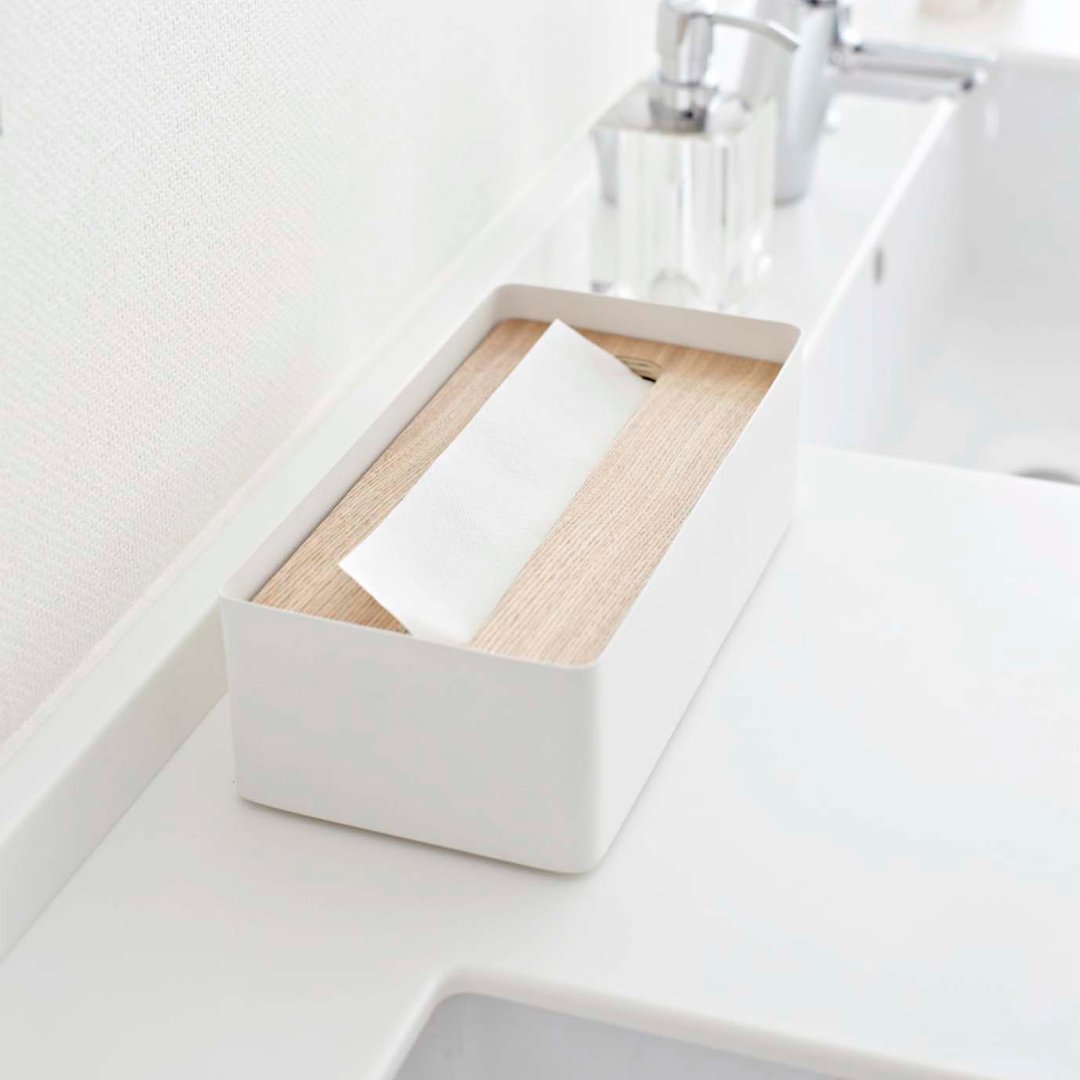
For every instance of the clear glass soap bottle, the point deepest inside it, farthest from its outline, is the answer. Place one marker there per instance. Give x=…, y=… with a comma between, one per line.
x=687, y=174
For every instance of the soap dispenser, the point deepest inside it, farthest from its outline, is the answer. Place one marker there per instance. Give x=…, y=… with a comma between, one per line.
x=687, y=171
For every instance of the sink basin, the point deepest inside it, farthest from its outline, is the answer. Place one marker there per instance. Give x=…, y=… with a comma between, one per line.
x=476, y=1037
x=958, y=340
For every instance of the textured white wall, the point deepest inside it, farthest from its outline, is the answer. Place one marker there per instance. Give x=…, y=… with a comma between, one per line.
x=209, y=210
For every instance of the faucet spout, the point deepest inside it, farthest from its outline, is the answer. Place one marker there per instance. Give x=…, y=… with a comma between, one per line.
x=887, y=69
x=835, y=58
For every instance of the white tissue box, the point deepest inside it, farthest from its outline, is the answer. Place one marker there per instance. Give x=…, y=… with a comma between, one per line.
x=527, y=761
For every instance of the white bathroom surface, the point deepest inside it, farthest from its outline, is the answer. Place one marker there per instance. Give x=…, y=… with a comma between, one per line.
x=858, y=854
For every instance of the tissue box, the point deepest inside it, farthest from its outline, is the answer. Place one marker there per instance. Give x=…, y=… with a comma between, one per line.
x=532, y=743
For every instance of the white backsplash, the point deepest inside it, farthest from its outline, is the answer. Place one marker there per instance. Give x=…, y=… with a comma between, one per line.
x=210, y=214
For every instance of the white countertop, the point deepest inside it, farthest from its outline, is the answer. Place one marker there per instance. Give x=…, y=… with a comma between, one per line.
x=857, y=853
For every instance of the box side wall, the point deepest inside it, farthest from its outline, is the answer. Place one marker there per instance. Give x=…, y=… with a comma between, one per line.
x=660, y=654
x=443, y=745
x=519, y=761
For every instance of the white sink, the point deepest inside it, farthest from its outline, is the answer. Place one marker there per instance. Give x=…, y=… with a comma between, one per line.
x=959, y=338
x=475, y=1037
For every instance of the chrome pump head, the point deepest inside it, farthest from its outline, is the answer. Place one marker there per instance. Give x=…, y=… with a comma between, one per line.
x=684, y=39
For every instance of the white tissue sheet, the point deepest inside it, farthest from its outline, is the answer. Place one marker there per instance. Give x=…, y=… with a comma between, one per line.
x=441, y=560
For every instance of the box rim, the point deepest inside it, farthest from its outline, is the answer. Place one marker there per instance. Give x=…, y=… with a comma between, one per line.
x=502, y=303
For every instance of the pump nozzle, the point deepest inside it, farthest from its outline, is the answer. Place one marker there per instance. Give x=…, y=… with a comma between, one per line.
x=684, y=40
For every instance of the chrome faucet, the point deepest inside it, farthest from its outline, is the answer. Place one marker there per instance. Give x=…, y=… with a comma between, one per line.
x=820, y=54
x=833, y=57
